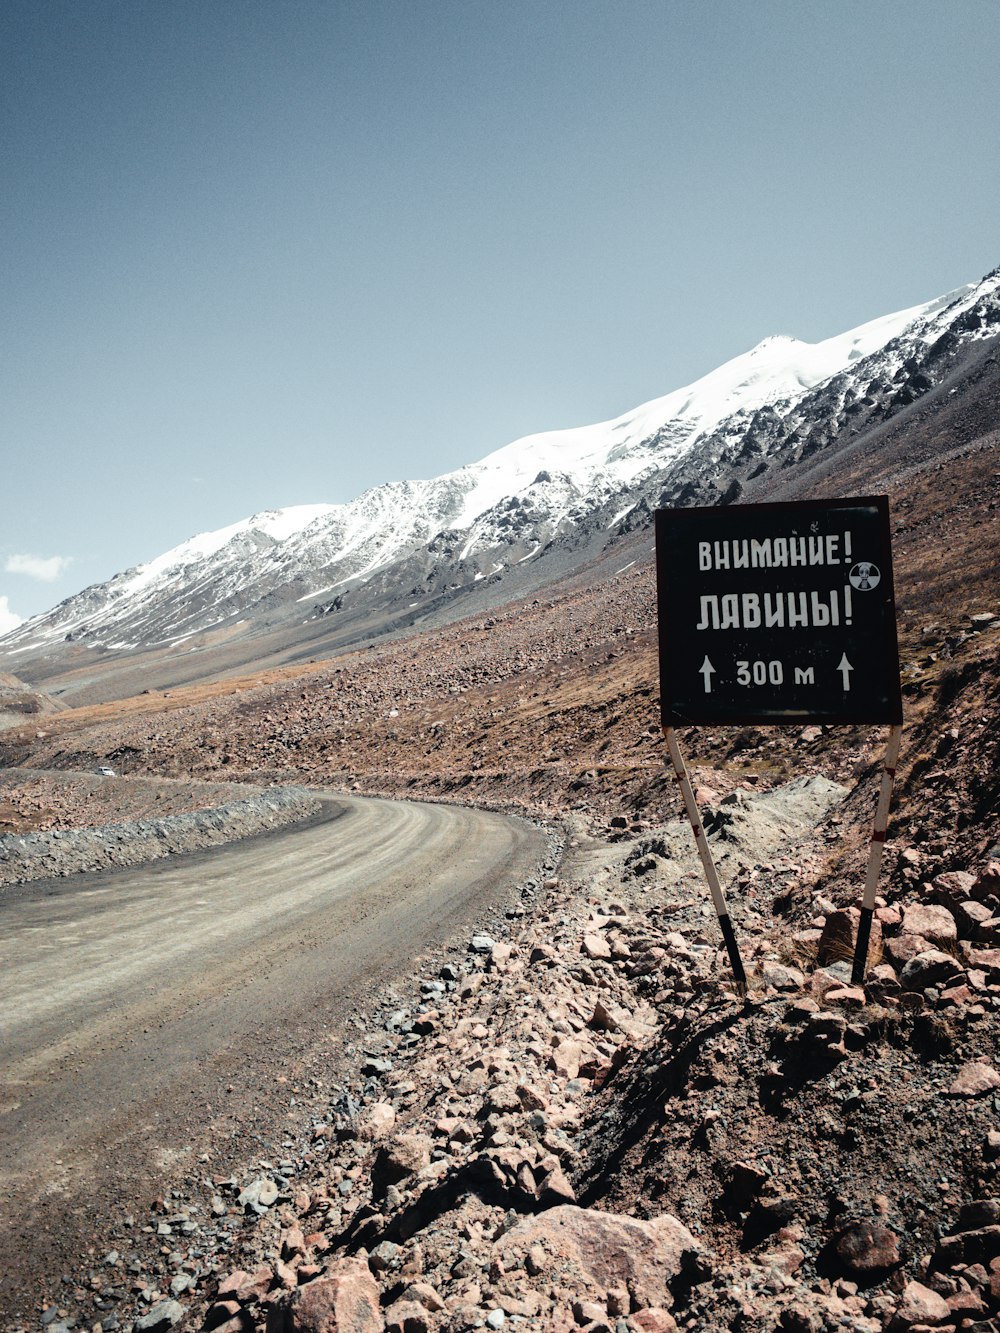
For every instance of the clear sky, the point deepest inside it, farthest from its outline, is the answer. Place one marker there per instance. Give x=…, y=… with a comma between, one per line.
x=258, y=253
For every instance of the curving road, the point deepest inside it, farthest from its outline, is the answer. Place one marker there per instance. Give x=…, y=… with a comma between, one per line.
x=148, y=1015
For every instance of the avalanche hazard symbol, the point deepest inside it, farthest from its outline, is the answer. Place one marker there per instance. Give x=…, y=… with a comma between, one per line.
x=777, y=613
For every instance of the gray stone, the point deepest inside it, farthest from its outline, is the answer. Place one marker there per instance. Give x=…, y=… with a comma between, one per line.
x=165, y=1315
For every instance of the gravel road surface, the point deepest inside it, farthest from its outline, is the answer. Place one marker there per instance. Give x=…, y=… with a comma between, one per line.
x=152, y=1018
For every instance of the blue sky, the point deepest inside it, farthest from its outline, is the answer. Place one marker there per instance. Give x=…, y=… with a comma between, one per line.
x=267, y=253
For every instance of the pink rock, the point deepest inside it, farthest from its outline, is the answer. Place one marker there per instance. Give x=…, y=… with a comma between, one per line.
x=500, y=956
x=402, y=1156
x=377, y=1121
x=404, y=1316
x=424, y=1294
x=344, y=1300
x=970, y=916
x=596, y=946
x=293, y=1243
x=901, y=948
x=654, y=1319
x=955, y=884
x=567, y=1058
x=611, y=1249
x=988, y=883
x=231, y=1284
x=933, y=923
x=867, y=1247
x=920, y=1305
x=973, y=1080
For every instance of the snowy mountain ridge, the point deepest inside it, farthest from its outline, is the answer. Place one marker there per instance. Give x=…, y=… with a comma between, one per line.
x=507, y=508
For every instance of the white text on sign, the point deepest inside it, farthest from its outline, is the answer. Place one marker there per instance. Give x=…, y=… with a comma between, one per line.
x=782, y=610
x=775, y=552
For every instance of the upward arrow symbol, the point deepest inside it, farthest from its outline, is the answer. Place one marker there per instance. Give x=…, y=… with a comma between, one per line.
x=845, y=668
x=708, y=671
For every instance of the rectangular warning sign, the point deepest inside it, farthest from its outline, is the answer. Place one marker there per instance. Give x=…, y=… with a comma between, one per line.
x=777, y=613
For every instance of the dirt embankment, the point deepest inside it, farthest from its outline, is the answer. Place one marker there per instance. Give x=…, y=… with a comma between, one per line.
x=67, y=823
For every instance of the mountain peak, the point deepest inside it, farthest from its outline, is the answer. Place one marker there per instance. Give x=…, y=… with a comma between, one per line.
x=542, y=491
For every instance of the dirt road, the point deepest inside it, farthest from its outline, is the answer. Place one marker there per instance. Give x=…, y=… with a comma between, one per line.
x=150, y=1017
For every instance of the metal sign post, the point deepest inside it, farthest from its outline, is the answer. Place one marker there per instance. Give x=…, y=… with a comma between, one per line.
x=705, y=852
x=875, y=855
x=782, y=614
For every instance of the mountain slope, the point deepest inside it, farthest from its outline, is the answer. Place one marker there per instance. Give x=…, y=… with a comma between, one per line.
x=536, y=507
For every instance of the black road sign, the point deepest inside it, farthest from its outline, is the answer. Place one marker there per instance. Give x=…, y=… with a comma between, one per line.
x=779, y=613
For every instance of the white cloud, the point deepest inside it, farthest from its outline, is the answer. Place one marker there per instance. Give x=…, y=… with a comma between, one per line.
x=45, y=568
x=8, y=619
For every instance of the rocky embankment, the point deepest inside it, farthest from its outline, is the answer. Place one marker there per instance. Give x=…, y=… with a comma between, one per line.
x=573, y=1122
x=54, y=806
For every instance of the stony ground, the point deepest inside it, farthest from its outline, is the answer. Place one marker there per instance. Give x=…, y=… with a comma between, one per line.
x=573, y=1121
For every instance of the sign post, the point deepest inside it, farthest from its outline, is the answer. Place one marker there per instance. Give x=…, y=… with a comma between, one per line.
x=780, y=614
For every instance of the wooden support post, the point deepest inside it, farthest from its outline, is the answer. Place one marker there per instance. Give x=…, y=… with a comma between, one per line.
x=705, y=852
x=875, y=856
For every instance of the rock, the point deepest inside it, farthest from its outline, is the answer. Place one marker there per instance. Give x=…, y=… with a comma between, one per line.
x=780, y=977
x=292, y=1243
x=376, y=1065
x=259, y=1195
x=226, y=1317
x=596, y=947
x=987, y=884
x=164, y=1315
x=382, y=1256
x=555, y=1189
x=953, y=886
x=847, y=997
x=403, y=1316
x=980, y=1246
x=567, y=1058
x=899, y=949
x=587, y=1312
x=402, y=1156
x=612, y=1250
x=920, y=1305
x=344, y=1300
x=932, y=968
x=500, y=956
x=426, y=1295
x=231, y=1283
x=840, y=932
x=654, y=1319
x=933, y=923
x=377, y=1121
x=482, y=944
x=973, y=1080
x=867, y=1247
x=970, y=917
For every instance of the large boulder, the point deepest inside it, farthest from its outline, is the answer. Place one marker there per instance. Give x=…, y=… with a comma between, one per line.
x=934, y=923
x=604, y=1250
x=343, y=1300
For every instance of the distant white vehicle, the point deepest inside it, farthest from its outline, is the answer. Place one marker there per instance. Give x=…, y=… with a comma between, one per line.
x=107, y=772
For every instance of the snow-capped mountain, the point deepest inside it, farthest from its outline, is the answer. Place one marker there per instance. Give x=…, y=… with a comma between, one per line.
x=783, y=400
